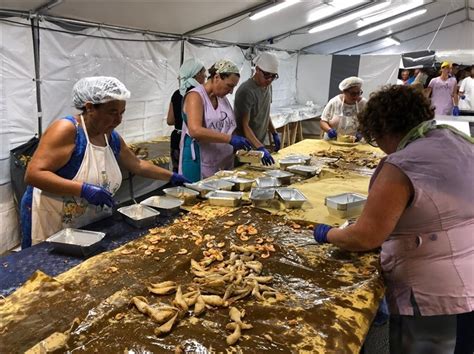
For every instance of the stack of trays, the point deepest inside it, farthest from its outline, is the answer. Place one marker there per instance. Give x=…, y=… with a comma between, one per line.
x=139, y=215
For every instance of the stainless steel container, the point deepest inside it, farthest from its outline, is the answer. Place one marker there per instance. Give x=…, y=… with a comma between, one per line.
x=262, y=197
x=291, y=197
x=304, y=170
x=188, y=196
x=139, y=215
x=166, y=205
x=287, y=161
x=268, y=182
x=241, y=184
x=345, y=205
x=252, y=156
x=76, y=242
x=283, y=176
x=224, y=198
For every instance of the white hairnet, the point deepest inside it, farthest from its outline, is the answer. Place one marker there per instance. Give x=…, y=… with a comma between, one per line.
x=98, y=89
x=267, y=62
x=350, y=82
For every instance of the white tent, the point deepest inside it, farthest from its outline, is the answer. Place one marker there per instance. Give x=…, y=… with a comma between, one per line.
x=45, y=46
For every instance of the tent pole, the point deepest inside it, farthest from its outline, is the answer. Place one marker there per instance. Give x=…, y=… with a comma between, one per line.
x=181, y=59
x=36, y=54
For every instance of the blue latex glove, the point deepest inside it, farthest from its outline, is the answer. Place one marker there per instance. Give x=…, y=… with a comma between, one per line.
x=332, y=133
x=178, y=180
x=239, y=142
x=358, y=136
x=462, y=97
x=267, y=159
x=320, y=233
x=276, y=141
x=455, y=111
x=96, y=195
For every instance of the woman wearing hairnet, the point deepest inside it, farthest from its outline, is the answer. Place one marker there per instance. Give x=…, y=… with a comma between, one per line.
x=340, y=114
x=75, y=171
x=191, y=74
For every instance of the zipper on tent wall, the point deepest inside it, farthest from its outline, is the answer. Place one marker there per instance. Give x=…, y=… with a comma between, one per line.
x=37, y=79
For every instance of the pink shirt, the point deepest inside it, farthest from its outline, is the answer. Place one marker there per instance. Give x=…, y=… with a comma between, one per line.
x=442, y=95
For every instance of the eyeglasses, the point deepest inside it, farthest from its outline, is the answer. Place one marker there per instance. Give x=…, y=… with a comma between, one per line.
x=355, y=93
x=268, y=75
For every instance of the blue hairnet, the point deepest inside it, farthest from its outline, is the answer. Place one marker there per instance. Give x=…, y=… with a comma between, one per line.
x=187, y=71
x=98, y=89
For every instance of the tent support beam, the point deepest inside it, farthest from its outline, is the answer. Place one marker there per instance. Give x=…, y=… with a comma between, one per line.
x=231, y=17
x=400, y=31
x=47, y=6
x=36, y=58
x=361, y=28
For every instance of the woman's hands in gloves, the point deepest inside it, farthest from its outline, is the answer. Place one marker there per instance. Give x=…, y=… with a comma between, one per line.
x=178, y=180
x=96, y=195
x=267, y=159
x=239, y=142
x=332, y=133
x=320, y=233
x=276, y=141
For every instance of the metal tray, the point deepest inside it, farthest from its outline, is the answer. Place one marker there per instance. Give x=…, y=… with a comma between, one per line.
x=188, y=196
x=224, y=198
x=139, y=215
x=218, y=184
x=166, y=205
x=252, y=156
x=306, y=158
x=76, y=242
x=345, y=205
x=305, y=170
x=285, y=162
x=268, y=182
x=240, y=183
x=291, y=197
x=262, y=196
x=200, y=188
x=230, y=173
x=283, y=176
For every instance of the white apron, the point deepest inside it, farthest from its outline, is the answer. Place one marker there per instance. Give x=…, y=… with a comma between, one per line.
x=51, y=213
x=344, y=121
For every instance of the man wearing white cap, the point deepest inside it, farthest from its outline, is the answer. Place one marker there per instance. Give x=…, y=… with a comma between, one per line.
x=340, y=114
x=252, y=105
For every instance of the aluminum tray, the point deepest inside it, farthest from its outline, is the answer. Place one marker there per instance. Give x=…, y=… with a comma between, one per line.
x=224, y=198
x=305, y=170
x=188, y=196
x=283, y=176
x=262, y=196
x=291, y=197
x=240, y=183
x=252, y=156
x=199, y=187
x=218, y=184
x=139, y=215
x=345, y=205
x=306, y=158
x=166, y=205
x=268, y=182
x=76, y=242
x=285, y=162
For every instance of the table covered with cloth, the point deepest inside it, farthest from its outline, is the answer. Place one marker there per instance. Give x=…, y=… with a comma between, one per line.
x=237, y=279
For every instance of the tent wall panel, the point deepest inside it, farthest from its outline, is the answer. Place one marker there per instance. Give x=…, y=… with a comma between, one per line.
x=378, y=70
x=18, y=114
x=314, y=74
x=148, y=69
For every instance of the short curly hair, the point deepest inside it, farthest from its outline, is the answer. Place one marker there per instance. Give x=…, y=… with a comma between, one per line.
x=393, y=110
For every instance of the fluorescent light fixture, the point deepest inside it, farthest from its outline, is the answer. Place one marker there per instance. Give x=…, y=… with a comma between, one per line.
x=390, y=13
x=392, y=22
x=273, y=9
x=330, y=8
x=391, y=41
x=348, y=18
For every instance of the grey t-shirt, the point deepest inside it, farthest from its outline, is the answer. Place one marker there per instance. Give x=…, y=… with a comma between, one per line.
x=256, y=101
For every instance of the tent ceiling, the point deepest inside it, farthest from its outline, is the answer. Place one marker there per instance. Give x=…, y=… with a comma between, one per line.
x=230, y=21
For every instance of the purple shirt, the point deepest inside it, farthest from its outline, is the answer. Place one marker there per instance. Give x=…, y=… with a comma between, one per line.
x=442, y=95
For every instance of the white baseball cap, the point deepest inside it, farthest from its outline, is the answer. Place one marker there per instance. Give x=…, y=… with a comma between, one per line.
x=267, y=62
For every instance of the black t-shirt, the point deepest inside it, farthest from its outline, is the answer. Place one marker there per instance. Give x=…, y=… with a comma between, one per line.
x=177, y=102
